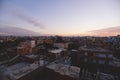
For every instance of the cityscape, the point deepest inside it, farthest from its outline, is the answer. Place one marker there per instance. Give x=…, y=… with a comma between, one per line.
x=59, y=40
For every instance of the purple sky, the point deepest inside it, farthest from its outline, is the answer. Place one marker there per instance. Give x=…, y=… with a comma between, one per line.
x=61, y=17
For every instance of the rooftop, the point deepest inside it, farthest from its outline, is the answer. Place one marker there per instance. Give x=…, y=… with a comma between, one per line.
x=57, y=50
x=96, y=49
x=63, y=69
x=19, y=70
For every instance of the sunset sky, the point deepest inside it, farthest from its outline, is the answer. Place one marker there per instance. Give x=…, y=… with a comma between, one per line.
x=60, y=17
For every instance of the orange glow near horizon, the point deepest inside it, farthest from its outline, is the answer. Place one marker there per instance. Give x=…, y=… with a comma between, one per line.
x=63, y=17
x=101, y=34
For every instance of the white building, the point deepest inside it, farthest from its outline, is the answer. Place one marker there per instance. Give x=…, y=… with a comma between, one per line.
x=32, y=43
x=61, y=45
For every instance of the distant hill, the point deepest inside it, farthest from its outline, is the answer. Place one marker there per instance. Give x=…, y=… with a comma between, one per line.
x=112, y=31
x=8, y=30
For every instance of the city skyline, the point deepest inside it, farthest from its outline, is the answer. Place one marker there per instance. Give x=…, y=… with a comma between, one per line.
x=63, y=17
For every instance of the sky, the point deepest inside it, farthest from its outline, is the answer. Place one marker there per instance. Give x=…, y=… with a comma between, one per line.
x=60, y=17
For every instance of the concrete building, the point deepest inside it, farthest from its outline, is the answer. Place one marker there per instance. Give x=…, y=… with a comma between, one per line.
x=32, y=43
x=47, y=41
x=21, y=68
x=24, y=50
x=26, y=47
x=61, y=45
x=62, y=72
x=58, y=53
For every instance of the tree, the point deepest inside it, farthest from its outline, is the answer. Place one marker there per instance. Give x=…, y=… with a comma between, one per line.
x=3, y=52
x=59, y=39
x=73, y=46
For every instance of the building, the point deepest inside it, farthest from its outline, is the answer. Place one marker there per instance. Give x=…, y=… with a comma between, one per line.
x=94, y=60
x=22, y=68
x=60, y=71
x=58, y=53
x=32, y=43
x=94, y=57
x=46, y=41
x=61, y=45
x=25, y=48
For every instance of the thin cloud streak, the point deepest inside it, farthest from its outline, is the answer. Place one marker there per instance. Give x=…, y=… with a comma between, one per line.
x=16, y=12
x=112, y=31
x=29, y=19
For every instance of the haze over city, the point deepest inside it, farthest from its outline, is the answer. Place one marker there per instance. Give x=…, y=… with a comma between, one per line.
x=59, y=39
x=62, y=17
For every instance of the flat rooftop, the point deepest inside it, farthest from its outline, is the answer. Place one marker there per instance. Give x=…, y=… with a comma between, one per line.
x=65, y=69
x=57, y=50
x=21, y=69
x=95, y=49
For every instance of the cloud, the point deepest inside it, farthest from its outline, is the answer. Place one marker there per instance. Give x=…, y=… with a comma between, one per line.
x=28, y=19
x=112, y=31
x=15, y=31
x=19, y=14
